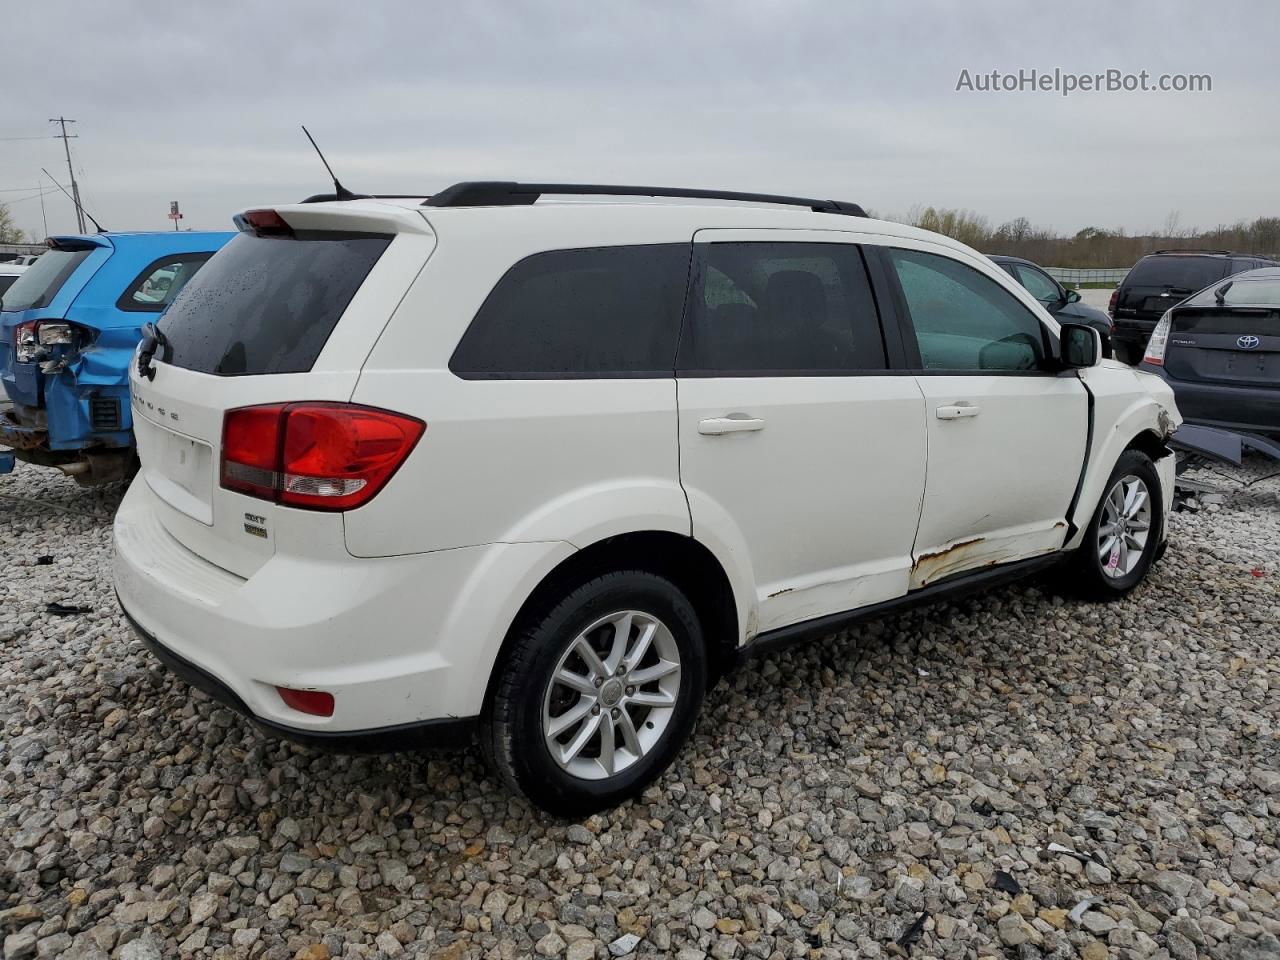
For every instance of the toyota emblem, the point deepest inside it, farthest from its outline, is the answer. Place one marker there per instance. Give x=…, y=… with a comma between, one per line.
x=1247, y=342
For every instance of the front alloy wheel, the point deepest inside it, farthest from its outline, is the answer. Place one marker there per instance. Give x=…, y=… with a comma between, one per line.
x=1124, y=532
x=1125, y=526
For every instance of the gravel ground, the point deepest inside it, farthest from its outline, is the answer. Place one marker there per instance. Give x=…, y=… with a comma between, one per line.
x=836, y=799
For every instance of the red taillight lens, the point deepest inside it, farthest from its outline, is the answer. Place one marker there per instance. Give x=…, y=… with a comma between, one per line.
x=321, y=456
x=251, y=450
x=315, y=702
x=1111, y=304
x=266, y=223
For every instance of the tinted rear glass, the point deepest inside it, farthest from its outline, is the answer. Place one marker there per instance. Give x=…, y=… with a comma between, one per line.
x=1231, y=322
x=6, y=281
x=764, y=309
x=267, y=304
x=1262, y=293
x=1184, y=273
x=595, y=312
x=41, y=281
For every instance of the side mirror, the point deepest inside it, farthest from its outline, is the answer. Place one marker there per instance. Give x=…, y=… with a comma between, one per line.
x=1080, y=345
x=1073, y=296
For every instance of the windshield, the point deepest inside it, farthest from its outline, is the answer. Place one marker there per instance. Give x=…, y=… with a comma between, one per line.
x=267, y=304
x=1257, y=293
x=1181, y=273
x=41, y=281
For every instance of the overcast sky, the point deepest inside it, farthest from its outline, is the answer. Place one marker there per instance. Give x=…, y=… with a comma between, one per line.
x=200, y=102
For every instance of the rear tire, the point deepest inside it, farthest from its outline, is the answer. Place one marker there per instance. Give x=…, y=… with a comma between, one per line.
x=597, y=694
x=1124, y=535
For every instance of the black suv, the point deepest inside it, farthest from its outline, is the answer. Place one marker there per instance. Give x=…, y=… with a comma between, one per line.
x=1161, y=279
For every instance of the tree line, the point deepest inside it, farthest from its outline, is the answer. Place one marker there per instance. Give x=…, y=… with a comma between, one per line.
x=1093, y=246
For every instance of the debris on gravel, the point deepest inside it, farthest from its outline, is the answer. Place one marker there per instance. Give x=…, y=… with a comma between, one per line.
x=889, y=793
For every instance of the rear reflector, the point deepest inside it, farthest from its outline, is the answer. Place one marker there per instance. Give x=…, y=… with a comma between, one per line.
x=315, y=702
x=1111, y=304
x=319, y=456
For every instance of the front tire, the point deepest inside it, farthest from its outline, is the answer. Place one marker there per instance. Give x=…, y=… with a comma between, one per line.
x=597, y=694
x=1124, y=535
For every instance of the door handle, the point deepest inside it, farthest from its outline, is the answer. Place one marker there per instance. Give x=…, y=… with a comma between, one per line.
x=733, y=423
x=955, y=411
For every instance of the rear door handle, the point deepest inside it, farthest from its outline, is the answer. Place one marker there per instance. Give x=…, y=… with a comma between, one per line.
x=956, y=411
x=734, y=423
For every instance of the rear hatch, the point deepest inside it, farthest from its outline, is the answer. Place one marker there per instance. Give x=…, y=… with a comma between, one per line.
x=45, y=290
x=285, y=313
x=1226, y=344
x=1156, y=283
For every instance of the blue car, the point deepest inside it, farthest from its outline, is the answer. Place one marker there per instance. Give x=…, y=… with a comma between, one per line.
x=68, y=329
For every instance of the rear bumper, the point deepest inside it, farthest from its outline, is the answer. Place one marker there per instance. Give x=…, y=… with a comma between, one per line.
x=453, y=733
x=1228, y=407
x=1131, y=330
x=405, y=644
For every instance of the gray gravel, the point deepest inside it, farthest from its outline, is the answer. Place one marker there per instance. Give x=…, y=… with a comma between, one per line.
x=832, y=798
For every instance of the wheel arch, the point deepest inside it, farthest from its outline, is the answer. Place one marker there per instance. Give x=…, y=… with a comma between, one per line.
x=686, y=562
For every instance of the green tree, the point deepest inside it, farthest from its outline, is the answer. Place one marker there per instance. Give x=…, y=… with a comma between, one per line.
x=10, y=232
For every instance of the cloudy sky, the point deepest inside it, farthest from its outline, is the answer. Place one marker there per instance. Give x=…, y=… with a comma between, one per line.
x=200, y=102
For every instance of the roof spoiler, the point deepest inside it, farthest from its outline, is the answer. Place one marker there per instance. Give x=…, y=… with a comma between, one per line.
x=500, y=193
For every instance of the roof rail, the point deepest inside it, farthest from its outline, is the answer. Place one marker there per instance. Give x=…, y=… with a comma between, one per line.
x=499, y=193
x=1226, y=253
x=331, y=197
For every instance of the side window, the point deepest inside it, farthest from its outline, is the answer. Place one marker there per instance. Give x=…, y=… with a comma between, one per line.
x=596, y=312
x=160, y=281
x=964, y=320
x=781, y=308
x=1039, y=285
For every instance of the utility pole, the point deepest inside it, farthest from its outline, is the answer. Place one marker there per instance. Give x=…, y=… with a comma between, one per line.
x=75, y=188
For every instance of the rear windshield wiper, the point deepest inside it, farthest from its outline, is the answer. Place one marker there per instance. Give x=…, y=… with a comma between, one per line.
x=151, y=339
x=1221, y=293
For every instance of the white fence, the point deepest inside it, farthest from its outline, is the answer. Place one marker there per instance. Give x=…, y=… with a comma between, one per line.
x=1087, y=274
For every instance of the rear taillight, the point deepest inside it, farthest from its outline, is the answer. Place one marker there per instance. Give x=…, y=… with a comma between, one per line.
x=35, y=339
x=320, y=456
x=1159, y=340
x=26, y=342
x=1111, y=304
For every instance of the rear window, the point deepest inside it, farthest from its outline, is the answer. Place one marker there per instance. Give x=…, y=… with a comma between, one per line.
x=41, y=281
x=585, y=313
x=6, y=281
x=1182, y=273
x=1230, y=322
x=267, y=304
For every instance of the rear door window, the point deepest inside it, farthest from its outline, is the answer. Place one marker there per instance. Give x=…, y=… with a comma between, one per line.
x=265, y=305
x=160, y=282
x=41, y=281
x=781, y=309
x=584, y=313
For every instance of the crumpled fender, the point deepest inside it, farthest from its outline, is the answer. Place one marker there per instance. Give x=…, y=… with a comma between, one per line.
x=1126, y=404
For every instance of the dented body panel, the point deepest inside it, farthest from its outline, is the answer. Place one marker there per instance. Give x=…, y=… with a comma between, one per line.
x=1127, y=404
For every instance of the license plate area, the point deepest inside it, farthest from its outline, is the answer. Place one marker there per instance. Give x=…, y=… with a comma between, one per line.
x=178, y=468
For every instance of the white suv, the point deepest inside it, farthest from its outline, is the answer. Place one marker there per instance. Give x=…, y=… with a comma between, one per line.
x=536, y=474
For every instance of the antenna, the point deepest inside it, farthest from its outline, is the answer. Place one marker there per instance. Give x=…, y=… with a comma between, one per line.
x=339, y=191
x=75, y=200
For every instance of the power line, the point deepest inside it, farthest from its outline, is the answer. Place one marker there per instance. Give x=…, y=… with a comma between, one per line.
x=45, y=137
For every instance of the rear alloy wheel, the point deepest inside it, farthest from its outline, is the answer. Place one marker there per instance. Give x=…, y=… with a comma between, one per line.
x=612, y=695
x=1122, y=538
x=598, y=693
